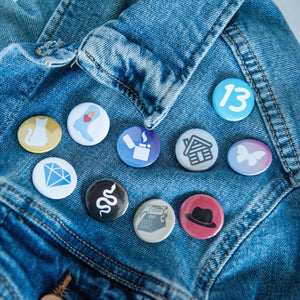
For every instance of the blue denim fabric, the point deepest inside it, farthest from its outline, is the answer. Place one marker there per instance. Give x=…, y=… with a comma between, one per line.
x=165, y=57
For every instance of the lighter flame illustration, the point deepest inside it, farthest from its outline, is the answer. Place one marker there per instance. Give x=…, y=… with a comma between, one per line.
x=144, y=137
x=91, y=113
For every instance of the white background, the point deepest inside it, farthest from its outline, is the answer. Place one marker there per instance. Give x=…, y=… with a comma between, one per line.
x=291, y=12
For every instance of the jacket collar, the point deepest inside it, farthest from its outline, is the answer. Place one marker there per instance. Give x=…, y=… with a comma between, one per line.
x=151, y=50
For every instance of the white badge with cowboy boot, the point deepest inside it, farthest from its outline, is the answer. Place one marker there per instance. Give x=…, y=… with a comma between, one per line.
x=88, y=124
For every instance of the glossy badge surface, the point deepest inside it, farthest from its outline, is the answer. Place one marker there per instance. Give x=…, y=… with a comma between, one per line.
x=201, y=216
x=249, y=157
x=233, y=99
x=54, y=178
x=196, y=150
x=39, y=134
x=154, y=221
x=106, y=200
x=88, y=124
x=138, y=147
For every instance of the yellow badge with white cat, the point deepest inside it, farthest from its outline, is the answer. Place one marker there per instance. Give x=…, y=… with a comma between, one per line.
x=39, y=134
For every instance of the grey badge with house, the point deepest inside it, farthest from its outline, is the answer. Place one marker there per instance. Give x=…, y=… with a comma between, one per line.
x=196, y=150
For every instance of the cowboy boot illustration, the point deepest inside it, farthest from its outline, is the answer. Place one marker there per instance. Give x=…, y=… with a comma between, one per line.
x=82, y=124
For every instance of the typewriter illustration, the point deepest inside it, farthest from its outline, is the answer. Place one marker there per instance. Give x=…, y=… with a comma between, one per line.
x=153, y=218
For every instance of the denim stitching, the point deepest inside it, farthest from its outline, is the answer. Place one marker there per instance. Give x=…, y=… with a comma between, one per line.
x=158, y=107
x=188, y=62
x=22, y=101
x=59, y=20
x=78, y=252
x=206, y=36
x=245, y=233
x=117, y=80
x=235, y=227
x=271, y=93
x=261, y=101
x=3, y=219
x=42, y=50
x=12, y=292
x=91, y=247
x=197, y=49
x=157, y=120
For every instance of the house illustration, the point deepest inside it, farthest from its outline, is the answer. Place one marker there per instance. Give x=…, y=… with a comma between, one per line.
x=197, y=149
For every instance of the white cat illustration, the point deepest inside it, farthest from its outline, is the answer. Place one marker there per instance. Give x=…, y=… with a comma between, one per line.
x=38, y=138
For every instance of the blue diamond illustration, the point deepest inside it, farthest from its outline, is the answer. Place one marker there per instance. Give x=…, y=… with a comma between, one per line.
x=56, y=175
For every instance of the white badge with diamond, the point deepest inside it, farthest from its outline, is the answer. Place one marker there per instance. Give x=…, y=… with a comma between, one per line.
x=54, y=178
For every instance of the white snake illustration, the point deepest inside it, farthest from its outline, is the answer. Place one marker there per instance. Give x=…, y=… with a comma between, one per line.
x=107, y=196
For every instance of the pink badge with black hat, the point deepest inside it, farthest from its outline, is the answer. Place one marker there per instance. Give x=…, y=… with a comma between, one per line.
x=201, y=216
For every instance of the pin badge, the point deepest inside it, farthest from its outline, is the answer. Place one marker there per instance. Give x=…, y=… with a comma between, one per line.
x=233, y=99
x=201, y=216
x=138, y=147
x=196, y=150
x=88, y=124
x=107, y=200
x=249, y=157
x=39, y=134
x=54, y=178
x=154, y=221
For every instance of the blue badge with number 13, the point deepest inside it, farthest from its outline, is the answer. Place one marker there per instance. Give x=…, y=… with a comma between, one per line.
x=233, y=99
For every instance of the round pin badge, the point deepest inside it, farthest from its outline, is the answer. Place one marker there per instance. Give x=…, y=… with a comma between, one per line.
x=201, y=216
x=138, y=147
x=54, y=178
x=107, y=200
x=154, y=221
x=39, y=134
x=88, y=124
x=249, y=157
x=233, y=99
x=196, y=150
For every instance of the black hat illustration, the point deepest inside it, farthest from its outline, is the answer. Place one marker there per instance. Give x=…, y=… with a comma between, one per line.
x=201, y=217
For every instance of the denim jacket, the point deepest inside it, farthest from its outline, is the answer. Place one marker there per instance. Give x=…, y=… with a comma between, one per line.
x=154, y=63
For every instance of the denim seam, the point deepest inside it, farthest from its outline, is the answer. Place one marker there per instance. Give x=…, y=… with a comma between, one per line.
x=134, y=93
x=261, y=101
x=204, y=39
x=60, y=19
x=253, y=224
x=194, y=53
x=10, y=289
x=229, y=234
x=188, y=63
x=22, y=101
x=91, y=247
x=39, y=50
x=3, y=219
x=270, y=91
x=158, y=106
x=79, y=253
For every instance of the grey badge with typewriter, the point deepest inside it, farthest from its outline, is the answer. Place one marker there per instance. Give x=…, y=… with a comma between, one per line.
x=154, y=221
